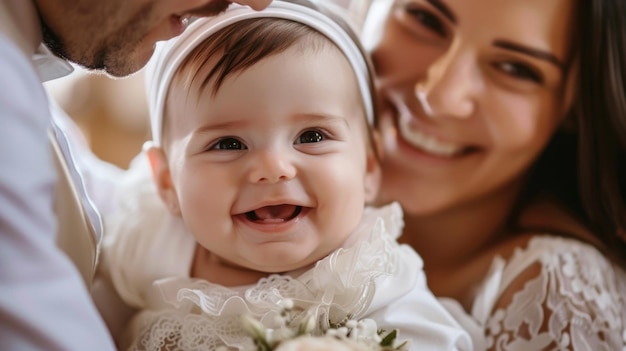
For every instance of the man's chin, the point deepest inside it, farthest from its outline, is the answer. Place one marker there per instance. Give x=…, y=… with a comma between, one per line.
x=53, y=42
x=124, y=63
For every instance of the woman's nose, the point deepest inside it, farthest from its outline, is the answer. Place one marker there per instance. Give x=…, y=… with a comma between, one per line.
x=450, y=86
x=271, y=167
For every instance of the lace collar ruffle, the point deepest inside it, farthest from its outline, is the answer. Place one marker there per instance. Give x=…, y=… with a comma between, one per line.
x=342, y=285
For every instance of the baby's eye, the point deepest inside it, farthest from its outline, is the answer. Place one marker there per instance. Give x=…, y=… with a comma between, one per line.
x=229, y=144
x=310, y=136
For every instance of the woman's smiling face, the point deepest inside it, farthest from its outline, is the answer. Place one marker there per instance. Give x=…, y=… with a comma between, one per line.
x=473, y=91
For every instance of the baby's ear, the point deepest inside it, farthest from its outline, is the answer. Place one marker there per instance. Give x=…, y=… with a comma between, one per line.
x=373, y=171
x=162, y=178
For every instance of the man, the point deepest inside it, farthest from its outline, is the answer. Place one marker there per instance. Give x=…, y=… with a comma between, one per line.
x=44, y=305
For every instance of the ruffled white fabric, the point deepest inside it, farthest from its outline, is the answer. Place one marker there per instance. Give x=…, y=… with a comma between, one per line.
x=371, y=277
x=148, y=254
x=142, y=241
x=340, y=285
x=576, y=300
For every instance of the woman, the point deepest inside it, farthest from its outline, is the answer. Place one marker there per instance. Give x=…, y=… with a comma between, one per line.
x=504, y=137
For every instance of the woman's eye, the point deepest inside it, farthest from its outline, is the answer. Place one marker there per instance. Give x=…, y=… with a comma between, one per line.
x=229, y=144
x=427, y=19
x=420, y=20
x=310, y=136
x=521, y=71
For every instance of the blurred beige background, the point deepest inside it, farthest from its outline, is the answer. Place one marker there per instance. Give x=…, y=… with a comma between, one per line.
x=112, y=113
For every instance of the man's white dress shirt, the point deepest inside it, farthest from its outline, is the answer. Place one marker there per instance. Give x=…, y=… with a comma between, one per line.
x=44, y=303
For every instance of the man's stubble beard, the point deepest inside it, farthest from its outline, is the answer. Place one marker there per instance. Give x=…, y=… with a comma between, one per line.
x=114, y=53
x=53, y=42
x=118, y=53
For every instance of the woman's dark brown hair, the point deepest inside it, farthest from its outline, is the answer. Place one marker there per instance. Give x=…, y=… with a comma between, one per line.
x=586, y=168
x=601, y=117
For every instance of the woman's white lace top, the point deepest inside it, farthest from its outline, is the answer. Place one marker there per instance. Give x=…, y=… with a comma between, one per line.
x=573, y=298
x=149, y=255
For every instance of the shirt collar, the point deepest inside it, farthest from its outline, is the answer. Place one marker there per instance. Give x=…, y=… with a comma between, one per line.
x=50, y=66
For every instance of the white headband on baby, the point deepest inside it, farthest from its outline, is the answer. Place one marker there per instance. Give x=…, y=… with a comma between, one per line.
x=170, y=54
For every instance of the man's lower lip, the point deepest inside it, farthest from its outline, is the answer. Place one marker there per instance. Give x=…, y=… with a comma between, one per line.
x=177, y=24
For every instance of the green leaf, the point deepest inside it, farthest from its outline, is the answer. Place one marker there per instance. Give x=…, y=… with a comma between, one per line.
x=389, y=339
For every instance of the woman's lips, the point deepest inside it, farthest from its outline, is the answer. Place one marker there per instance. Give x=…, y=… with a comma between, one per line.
x=428, y=143
x=424, y=141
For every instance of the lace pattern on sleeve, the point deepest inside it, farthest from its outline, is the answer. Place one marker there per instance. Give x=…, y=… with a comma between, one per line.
x=576, y=302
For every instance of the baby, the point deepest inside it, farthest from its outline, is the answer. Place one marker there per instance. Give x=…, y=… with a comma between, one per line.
x=263, y=160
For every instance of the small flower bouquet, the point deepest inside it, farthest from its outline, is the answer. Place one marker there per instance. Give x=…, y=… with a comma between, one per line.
x=349, y=335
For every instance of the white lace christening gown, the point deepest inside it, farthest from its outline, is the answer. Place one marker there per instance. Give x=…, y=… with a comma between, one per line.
x=149, y=255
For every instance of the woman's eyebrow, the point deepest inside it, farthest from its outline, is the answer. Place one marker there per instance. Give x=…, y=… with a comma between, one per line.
x=537, y=53
x=444, y=9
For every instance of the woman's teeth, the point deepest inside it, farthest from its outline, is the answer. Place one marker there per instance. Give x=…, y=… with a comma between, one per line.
x=428, y=143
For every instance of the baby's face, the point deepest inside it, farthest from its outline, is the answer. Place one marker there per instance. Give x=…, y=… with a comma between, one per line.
x=270, y=173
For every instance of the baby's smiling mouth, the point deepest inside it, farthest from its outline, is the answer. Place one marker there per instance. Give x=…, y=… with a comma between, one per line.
x=274, y=214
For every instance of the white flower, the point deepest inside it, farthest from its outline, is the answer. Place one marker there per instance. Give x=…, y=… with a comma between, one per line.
x=287, y=304
x=313, y=343
x=307, y=325
x=253, y=327
x=350, y=335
